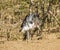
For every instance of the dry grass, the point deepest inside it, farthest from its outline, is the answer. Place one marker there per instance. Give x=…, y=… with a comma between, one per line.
x=12, y=13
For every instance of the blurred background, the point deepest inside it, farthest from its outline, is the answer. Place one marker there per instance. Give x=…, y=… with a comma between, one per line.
x=12, y=13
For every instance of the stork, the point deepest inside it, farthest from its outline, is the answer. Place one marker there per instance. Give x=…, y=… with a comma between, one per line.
x=30, y=22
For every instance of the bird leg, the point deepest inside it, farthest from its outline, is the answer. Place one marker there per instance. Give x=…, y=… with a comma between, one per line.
x=28, y=35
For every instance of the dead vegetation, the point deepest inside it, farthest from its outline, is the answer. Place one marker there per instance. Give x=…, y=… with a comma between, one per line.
x=12, y=13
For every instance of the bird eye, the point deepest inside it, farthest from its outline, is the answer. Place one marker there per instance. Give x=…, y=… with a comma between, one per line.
x=31, y=22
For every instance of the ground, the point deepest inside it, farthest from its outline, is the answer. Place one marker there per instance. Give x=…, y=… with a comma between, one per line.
x=45, y=44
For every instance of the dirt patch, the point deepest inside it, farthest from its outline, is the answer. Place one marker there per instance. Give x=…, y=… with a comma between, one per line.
x=44, y=44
